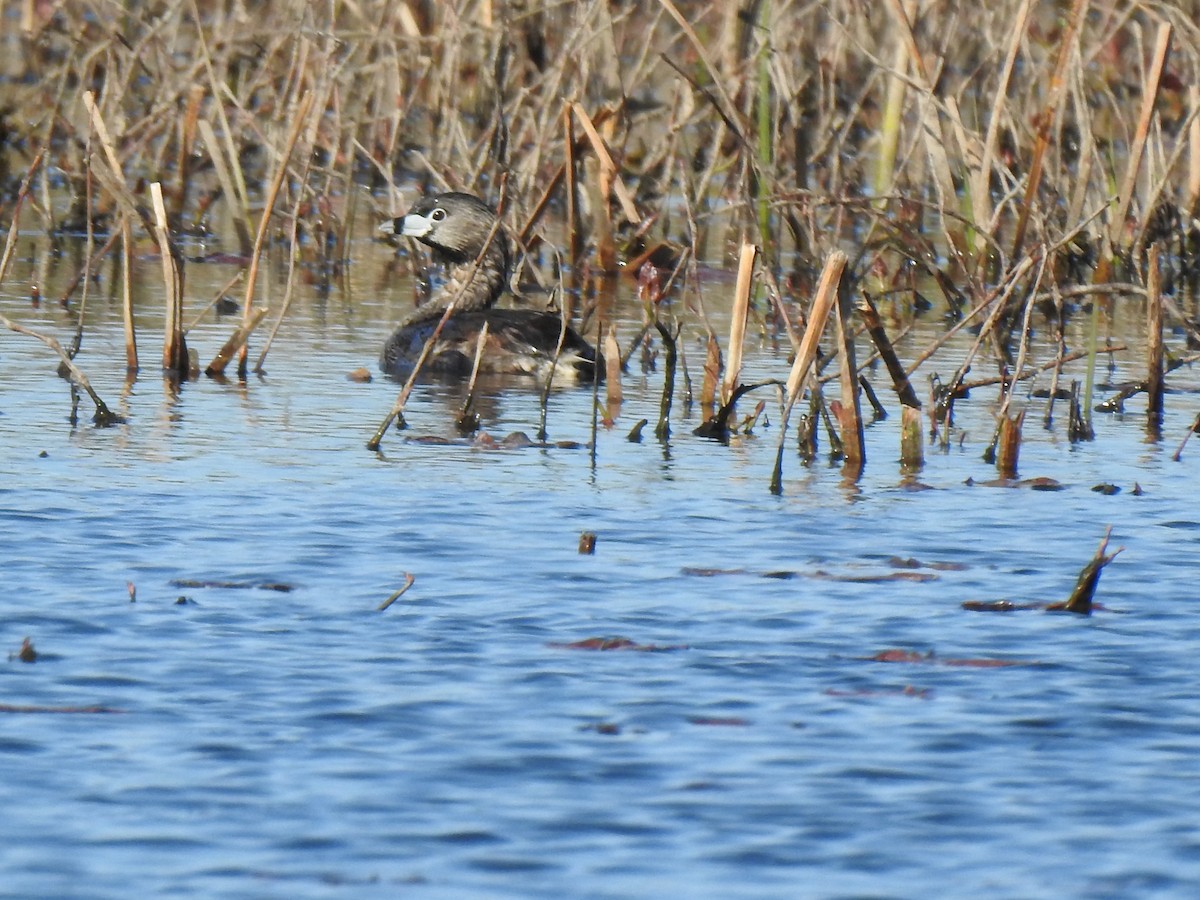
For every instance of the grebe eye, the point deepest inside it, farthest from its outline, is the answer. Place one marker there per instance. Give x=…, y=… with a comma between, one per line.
x=437, y=215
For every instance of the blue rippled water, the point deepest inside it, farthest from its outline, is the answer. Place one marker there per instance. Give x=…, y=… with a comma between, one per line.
x=261, y=743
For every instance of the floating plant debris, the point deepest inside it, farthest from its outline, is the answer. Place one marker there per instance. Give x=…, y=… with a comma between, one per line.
x=233, y=585
x=930, y=658
x=615, y=643
x=26, y=654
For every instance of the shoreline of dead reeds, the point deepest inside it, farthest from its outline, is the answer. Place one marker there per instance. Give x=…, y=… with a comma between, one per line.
x=1012, y=161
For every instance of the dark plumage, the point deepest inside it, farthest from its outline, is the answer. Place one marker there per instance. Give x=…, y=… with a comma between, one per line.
x=520, y=341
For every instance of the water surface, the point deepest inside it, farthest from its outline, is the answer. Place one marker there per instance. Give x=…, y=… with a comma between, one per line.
x=303, y=744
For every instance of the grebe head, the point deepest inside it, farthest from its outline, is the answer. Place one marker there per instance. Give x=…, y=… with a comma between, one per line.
x=455, y=225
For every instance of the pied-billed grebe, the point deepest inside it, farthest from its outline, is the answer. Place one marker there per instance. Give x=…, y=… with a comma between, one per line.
x=520, y=341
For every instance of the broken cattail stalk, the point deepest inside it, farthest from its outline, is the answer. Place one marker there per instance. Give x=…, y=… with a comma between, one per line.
x=1084, y=591
x=850, y=411
x=887, y=353
x=1154, y=342
x=827, y=291
x=877, y=408
x=912, y=439
x=806, y=432
x=1009, y=445
x=662, y=431
x=236, y=342
x=612, y=372
x=737, y=322
x=712, y=373
x=1078, y=428
x=175, y=357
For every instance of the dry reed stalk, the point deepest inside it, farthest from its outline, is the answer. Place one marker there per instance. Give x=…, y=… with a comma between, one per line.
x=396, y=595
x=981, y=184
x=103, y=415
x=238, y=213
x=827, y=293
x=889, y=134
x=1154, y=342
x=1151, y=198
x=293, y=254
x=239, y=196
x=1193, y=142
x=935, y=140
x=468, y=419
x=738, y=317
x=850, y=412
x=1033, y=371
x=88, y=256
x=612, y=372
x=187, y=143
x=624, y=198
x=879, y=337
x=1026, y=332
x=175, y=356
x=89, y=102
x=1045, y=122
x=608, y=184
x=1193, y=429
x=131, y=354
x=249, y=317
x=574, y=233
x=89, y=271
x=10, y=242
x=217, y=298
x=1150, y=86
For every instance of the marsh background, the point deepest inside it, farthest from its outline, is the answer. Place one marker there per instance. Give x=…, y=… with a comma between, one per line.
x=252, y=741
